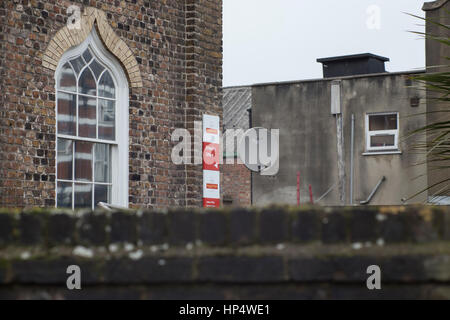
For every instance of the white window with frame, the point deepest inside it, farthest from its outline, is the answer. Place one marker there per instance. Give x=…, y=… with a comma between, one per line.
x=92, y=128
x=382, y=130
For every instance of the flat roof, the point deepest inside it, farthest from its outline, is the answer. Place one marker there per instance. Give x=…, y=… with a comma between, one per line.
x=385, y=74
x=352, y=57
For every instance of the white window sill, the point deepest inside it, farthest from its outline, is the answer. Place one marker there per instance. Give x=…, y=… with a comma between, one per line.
x=380, y=152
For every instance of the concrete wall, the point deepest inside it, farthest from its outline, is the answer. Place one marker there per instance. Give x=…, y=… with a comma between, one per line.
x=404, y=175
x=307, y=134
x=308, y=140
x=274, y=253
x=436, y=53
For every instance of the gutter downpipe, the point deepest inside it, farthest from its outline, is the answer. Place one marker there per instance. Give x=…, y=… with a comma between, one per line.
x=373, y=191
x=351, y=158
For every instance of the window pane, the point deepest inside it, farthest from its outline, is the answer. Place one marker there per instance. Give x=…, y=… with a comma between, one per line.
x=87, y=84
x=67, y=80
x=106, y=119
x=87, y=121
x=106, y=86
x=64, y=194
x=67, y=112
x=65, y=159
x=383, y=122
x=77, y=64
x=382, y=141
x=83, y=161
x=102, y=163
x=97, y=68
x=87, y=55
x=83, y=195
x=101, y=194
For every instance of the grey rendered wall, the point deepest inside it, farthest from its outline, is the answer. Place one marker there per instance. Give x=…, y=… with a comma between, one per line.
x=308, y=140
x=436, y=53
x=404, y=175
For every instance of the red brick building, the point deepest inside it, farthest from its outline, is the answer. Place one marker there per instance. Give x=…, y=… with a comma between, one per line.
x=236, y=178
x=90, y=96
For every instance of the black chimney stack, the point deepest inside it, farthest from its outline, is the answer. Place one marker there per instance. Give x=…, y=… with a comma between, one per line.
x=364, y=63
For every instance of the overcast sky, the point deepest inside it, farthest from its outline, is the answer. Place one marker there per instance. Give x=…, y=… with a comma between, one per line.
x=280, y=40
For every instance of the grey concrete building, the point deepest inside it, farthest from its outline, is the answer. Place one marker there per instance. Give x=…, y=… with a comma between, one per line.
x=315, y=122
x=436, y=61
x=348, y=133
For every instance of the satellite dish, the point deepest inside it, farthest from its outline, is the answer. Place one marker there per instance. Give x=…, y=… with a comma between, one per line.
x=254, y=148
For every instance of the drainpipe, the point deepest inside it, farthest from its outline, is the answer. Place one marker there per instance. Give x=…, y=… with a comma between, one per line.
x=250, y=124
x=364, y=202
x=337, y=111
x=352, y=149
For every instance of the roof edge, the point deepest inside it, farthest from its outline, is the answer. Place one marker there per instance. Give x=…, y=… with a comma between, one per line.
x=239, y=87
x=353, y=56
x=428, y=6
x=370, y=75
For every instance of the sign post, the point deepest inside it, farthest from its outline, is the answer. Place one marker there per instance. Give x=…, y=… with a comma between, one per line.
x=211, y=158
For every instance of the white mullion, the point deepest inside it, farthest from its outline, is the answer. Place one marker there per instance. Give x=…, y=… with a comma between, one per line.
x=116, y=127
x=85, y=182
x=110, y=142
x=383, y=133
x=73, y=175
x=67, y=91
x=96, y=113
x=95, y=145
x=101, y=74
x=73, y=143
x=73, y=69
x=94, y=148
x=84, y=68
x=109, y=196
x=87, y=95
x=93, y=175
x=78, y=91
x=56, y=153
x=76, y=116
x=99, y=77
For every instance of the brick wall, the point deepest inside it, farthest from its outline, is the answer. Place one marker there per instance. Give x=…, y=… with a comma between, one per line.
x=203, y=77
x=177, y=48
x=271, y=253
x=236, y=185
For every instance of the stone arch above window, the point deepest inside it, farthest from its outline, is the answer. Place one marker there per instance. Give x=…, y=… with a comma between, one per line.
x=67, y=38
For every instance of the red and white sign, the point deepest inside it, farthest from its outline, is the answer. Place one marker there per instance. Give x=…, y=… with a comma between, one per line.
x=211, y=157
x=211, y=181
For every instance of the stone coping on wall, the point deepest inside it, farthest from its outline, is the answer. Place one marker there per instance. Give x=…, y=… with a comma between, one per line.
x=267, y=253
x=226, y=227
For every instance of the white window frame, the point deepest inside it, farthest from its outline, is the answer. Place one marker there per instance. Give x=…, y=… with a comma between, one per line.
x=370, y=134
x=119, y=147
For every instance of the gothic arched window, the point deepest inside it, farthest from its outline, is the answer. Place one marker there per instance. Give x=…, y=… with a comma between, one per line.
x=92, y=128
